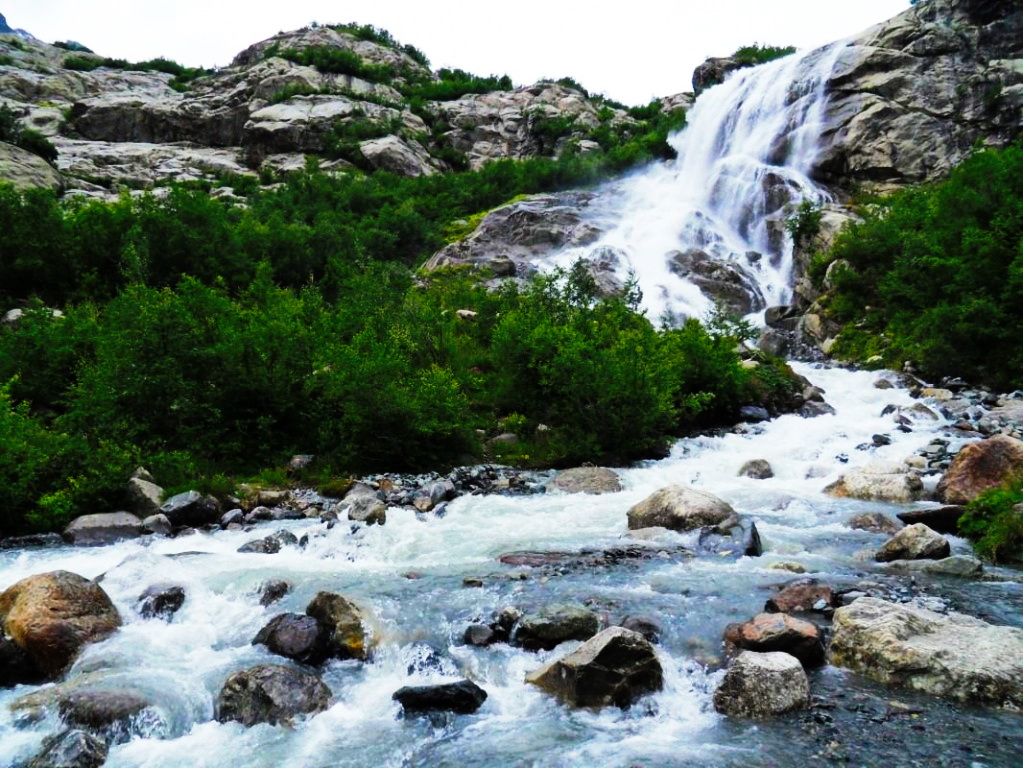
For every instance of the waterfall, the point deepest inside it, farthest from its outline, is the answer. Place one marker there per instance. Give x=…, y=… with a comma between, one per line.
x=712, y=222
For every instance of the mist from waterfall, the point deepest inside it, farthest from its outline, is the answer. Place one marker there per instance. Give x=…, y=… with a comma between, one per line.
x=717, y=212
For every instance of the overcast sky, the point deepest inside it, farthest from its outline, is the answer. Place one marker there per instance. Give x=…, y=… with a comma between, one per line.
x=630, y=50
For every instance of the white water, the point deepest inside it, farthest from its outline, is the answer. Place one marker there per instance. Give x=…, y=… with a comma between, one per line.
x=744, y=163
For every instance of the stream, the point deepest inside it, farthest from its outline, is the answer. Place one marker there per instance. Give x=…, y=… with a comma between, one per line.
x=410, y=573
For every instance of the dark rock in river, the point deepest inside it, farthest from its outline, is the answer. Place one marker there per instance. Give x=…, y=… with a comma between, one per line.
x=70, y=749
x=553, y=625
x=463, y=697
x=272, y=544
x=350, y=636
x=736, y=536
x=271, y=693
x=100, y=529
x=757, y=469
x=273, y=590
x=295, y=636
x=161, y=601
x=104, y=713
x=191, y=509
x=939, y=519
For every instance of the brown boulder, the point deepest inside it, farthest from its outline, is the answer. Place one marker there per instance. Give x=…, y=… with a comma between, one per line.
x=588, y=480
x=805, y=594
x=876, y=522
x=980, y=466
x=767, y=632
x=348, y=626
x=52, y=616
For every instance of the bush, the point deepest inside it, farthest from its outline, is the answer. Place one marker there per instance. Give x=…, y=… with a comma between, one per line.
x=339, y=61
x=752, y=55
x=82, y=63
x=994, y=522
x=32, y=141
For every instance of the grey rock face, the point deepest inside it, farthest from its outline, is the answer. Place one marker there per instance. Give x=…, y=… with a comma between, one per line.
x=104, y=528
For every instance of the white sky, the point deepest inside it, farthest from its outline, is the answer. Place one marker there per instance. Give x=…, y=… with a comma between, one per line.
x=630, y=50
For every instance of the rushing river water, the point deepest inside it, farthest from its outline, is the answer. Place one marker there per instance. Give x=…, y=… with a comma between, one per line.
x=181, y=665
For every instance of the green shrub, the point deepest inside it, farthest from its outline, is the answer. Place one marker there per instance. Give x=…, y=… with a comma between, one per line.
x=82, y=63
x=8, y=124
x=332, y=60
x=752, y=55
x=994, y=522
x=32, y=141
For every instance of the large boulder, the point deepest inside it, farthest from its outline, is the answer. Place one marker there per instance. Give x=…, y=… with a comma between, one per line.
x=767, y=632
x=271, y=693
x=102, y=712
x=191, y=509
x=463, y=697
x=615, y=667
x=914, y=542
x=364, y=505
x=144, y=497
x=879, y=481
x=555, y=624
x=105, y=528
x=295, y=636
x=70, y=749
x=762, y=684
x=980, y=466
x=679, y=508
x=735, y=536
x=25, y=170
x=959, y=566
x=350, y=634
x=588, y=480
x=405, y=158
x=941, y=519
x=161, y=601
x=51, y=617
x=952, y=655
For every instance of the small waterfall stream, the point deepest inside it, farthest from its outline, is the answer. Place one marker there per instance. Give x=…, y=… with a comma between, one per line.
x=746, y=155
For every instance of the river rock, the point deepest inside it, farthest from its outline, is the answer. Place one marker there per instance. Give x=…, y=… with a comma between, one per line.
x=956, y=656
x=161, y=601
x=762, y=685
x=463, y=697
x=736, y=536
x=480, y=636
x=365, y=505
x=727, y=283
x=273, y=590
x=800, y=595
x=53, y=616
x=914, y=542
x=158, y=524
x=615, y=667
x=70, y=749
x=553, y=625
x=679, y=508
x=144, y=497
x=960, y=566
x=16, y=667
x=875, y=522
x=757, y=469
x=190, y=509
x=270, y=693
x=295, y=636
x=433, y=495
x=940, y=519
x=588, y=480
x=768, y=632
x=104, y=713
x=980, y=466
x=105, y=528
x=879, y=481
x=348, y=625
x=272, y=544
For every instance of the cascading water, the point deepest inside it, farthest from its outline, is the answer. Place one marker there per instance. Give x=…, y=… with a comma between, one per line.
x=744, y=162
x=748, y=138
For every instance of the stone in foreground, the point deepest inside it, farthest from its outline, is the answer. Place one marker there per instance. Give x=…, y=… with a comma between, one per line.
x=762, y=685
x=679, y=508
x=914, y=542
x=271, y=693
x=295, y=636
x=955, y=656
x=768, y=632
x=614, y=668
x=463, y=697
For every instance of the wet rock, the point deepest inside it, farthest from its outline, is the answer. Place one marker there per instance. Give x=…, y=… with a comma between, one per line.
x=980, y=466
x=952, y=655
x=754, y=414
x=588, y=480
x=939, y=519
x=16, y=668
x=158, y=524
x=880, y=481
x=53, y=616
x=960, y=566
x=799, y=595
x=768, y=632
x=725, y=282
x=104, y=528
x=161, y=601
x=914, y=542
x=875, y=522
x=348, y=625
x=814, y=409
x=644, y=625
x=762, y=685
x=70, y=749
x=273, y=590
x=736, y=536
x=480, y=635
x=232, y=517
x=433, y=495
x=108, y=714
x=787, y=565
x=144, y=496
x=190, y=509
x=615, y=667
x=32, y=541
x=270, y=545
x=270, y=693
x=364, y=505
x=553, y=625
x=295, y=636
x=679, y=508
x=463, y=697
x=757, y=469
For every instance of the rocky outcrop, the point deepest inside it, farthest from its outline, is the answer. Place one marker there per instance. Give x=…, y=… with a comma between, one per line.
x=911, y=96
x=980, y=466
x=51, y=617
x=727, y=283
x=712, y=72
x=463, y=697
x=914, y=542
x=588, y=480
x=880, y=481
x=614, y=668
x=679, y=508
x=762, y=685
x=25, y=170
x=952, y=655
x=270, y=693
x=768, y=632
x=553, y=625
